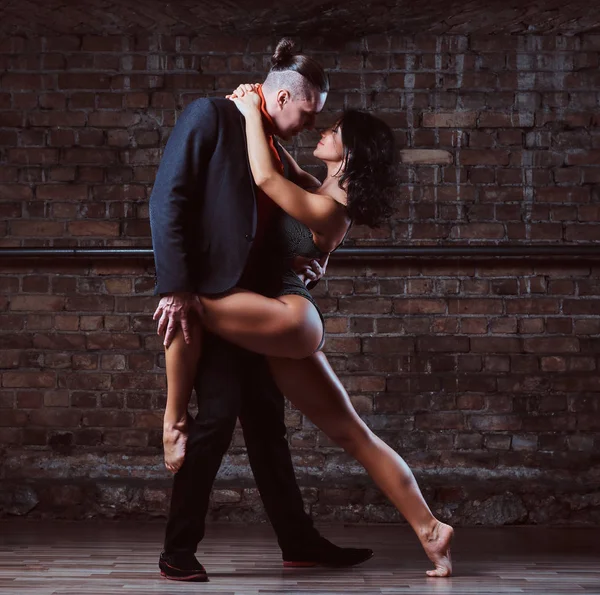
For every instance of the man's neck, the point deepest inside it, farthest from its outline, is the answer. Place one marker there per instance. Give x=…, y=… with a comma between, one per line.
x=267, y=120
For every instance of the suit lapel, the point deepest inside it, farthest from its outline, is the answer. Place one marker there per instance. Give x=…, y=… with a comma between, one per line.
x=242, y=123
x=283, y=159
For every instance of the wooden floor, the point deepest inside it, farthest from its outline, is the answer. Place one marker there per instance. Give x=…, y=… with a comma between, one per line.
x=61, y=558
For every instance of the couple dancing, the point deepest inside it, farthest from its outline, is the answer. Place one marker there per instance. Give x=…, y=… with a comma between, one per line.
x=239, y=232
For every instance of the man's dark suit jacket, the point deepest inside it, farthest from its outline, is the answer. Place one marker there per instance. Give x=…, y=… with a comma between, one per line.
x=203, y=218
x=202, y=206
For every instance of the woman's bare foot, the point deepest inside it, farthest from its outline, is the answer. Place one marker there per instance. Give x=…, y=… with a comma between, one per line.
x=437, y=547
x=174, y=442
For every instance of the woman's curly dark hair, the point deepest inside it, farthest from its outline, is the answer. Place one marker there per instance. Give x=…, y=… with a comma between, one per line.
x=369, y=171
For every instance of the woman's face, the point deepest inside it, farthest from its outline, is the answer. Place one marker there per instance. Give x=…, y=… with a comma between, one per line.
x=330, y=147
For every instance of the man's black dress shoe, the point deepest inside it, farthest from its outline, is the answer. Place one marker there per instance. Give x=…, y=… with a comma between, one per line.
x=325, y=553
x=182, y=567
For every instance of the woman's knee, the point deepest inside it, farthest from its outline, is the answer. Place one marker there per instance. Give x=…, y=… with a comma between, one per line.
x=304, y=335
x=304, y=343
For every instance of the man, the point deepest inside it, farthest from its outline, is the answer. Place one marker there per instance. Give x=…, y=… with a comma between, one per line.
x=208, y=229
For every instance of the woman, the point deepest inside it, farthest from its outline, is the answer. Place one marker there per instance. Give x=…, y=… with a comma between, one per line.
x=288, y=328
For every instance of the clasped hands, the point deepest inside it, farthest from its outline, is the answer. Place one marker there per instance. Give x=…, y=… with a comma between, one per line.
x=246, y=99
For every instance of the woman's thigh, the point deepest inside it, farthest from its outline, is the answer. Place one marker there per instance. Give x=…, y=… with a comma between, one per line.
x=289, y=326
x=312, y=386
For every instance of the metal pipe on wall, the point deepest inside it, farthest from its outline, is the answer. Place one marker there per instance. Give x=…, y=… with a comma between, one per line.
x=361, y=252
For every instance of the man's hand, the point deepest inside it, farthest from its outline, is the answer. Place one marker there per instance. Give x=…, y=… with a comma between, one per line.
x=310, y=270
x=172, y=309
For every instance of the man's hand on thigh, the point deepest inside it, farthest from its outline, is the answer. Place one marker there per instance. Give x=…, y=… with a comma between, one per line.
x=173, y=310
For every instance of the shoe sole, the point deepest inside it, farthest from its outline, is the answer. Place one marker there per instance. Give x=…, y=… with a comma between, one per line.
x=191, y=578
x=300, y=564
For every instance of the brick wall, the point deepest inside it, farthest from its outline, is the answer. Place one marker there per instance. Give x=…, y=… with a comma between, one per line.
x=482, y=373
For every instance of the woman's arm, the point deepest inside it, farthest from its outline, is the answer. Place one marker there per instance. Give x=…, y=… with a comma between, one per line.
x=314, y=210
x=299, y=176
x=322, y=214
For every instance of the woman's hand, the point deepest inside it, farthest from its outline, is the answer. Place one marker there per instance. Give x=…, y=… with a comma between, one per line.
x=246, y=99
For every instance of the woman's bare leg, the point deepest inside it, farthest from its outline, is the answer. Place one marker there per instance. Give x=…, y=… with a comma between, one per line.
x=181, y=361
x=289, y=326
x=313, y=387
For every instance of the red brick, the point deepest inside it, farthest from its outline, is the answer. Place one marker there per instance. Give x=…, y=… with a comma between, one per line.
x=571, y=119
x=65, y=192
x=553, y=364
x=15, y=192
x=562, y=195
x=33, y=156
x=131, y=62
x=365, y=305
x=419, y=306
x=81, y=101
x=495, y=344
x=478, y=231
x=148, y=81
x=440, y=421
x=104, y=43
x=503, y=326
x=36, y=379
x=551, y=345
x=202, y=82
x=35, y=284
x=137, y=100
x=61, y=174
x=225, y=44
x=474, y=326
x=36, y=229
x=385, y=345
x=537, y=305
x=12, y=119
x=487, y=157
x=138, y=157
x=94, y=228
x=502, y=120
x=443, y=325
x=55, y=418
x=141, y=381
x=94, y=81
x=443, y=344
x=93, y=156
x=450, y=119
x=13, y=418
x=62, y=43
x=62, y=138
x=475, y=306
x=582, y=232
x=113, y=119
x=92, y=303
x=56, y=398
x=29, y=399
x=25, y=82
x=560, y=326
x=37, y=303
x=92, y=323
x=163, y=100
x=364, y=383
x=495, y=423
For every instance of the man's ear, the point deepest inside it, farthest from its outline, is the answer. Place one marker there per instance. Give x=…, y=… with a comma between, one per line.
x=283, y=97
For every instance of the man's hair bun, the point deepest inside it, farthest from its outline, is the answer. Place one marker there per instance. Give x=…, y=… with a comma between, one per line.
x=284, y=53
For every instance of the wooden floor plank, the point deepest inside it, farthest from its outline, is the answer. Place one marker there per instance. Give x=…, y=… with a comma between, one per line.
x=106, y=558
